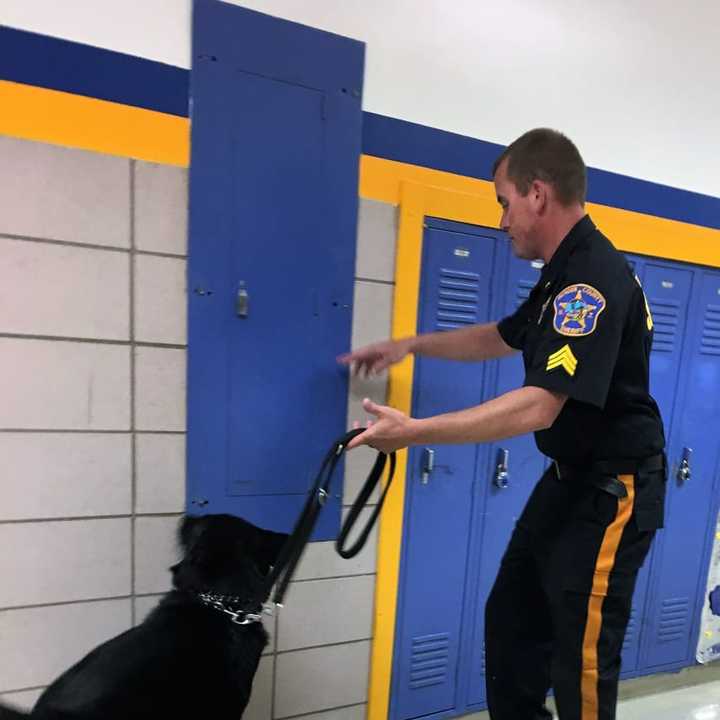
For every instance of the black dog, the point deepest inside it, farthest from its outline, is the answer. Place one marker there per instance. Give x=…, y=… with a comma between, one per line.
x=188, y=659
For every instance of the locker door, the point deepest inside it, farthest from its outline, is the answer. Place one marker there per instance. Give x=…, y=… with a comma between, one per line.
x=680, y=571
x=504, y=499
x=455, y=292
x=668, y=291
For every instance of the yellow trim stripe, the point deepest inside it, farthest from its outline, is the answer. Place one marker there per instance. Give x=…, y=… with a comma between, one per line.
x=629, y=231
x=407, y=288
x=601, y=577
x=65, y=119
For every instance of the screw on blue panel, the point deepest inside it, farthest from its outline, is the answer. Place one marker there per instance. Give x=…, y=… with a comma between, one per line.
x=715, y=601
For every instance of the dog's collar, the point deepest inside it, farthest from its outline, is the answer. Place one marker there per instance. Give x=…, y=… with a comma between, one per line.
x=229, y=605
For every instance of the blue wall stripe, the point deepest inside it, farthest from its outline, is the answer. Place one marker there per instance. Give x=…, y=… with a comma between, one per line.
x=71, y=67
x=85, y=70
x=420, y=145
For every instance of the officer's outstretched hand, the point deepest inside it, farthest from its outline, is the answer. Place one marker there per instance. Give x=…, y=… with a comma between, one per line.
x=375, y=358
x=390, y=431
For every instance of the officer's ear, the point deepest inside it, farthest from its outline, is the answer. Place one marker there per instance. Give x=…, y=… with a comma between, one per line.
x=539, y=196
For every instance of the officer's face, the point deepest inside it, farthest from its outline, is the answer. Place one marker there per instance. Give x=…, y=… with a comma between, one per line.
x=518, y=215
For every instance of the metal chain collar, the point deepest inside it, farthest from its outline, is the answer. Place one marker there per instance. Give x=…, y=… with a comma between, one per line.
x=223, y=603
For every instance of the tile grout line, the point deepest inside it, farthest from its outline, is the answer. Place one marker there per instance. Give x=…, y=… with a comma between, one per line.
x=72, y=431
x=90, y=246
x=320, y=712
x=91, y=341
x=274, y=665
x=375, y=281
x=82, y=518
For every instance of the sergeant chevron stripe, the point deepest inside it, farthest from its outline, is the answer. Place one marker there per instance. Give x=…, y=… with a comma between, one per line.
x=563, y=358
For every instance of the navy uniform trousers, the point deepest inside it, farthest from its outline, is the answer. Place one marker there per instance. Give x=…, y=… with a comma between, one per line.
x=557, y=614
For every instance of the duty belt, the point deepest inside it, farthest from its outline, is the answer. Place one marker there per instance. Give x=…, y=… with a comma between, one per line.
x=602, y=474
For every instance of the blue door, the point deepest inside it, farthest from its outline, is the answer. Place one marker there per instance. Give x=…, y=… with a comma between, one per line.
x=503, y=497
x=681, y=562
x=457, y=276
x=668, y=289
x=276, y=121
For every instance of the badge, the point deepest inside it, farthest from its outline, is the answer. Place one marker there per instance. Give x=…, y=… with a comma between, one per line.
x=577, y=309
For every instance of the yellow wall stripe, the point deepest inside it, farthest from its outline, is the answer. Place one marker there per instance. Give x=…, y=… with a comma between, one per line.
x=65, y=119
x=407, y=288
x=629, y=231
x=601, y=578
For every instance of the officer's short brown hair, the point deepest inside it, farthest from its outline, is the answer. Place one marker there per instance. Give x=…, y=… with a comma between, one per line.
x=547, y=155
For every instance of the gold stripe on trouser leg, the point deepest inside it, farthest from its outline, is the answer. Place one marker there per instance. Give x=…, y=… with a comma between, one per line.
x=603, y=567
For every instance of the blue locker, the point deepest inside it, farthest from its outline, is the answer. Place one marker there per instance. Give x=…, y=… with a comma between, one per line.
x=680, y=568
x=455, y=291
x=276, y=130
x=503, y=498
x=668, y=290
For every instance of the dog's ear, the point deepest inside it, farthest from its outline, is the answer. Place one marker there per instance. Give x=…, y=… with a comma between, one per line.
x=273, y=543
x=190, y=530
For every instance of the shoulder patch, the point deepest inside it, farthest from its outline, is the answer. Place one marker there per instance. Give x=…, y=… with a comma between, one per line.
x=577, y=309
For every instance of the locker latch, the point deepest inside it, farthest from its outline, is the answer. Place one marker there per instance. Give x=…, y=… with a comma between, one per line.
x=243, y=300
x=684, y=473
x=502, y=474
x=428, y=463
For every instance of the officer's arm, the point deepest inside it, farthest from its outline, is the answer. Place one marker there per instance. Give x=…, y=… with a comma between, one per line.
x=521, y=411
x=479, y=342
x=518, y=412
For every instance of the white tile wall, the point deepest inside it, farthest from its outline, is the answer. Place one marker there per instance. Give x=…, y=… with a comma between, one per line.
x=161, y=203
x=144, y=604
x=59, y=561
x=159, y=388
x=37, y=644
x=322, y=678
x=260, y=705
x=64, y=194
x=354, y=712
x=321, y=612
x=24, y=700
x=55, y=475
x=65, y=290
x=321, y=561
x=160, y=461
x=62, y=385
x=373, y=312
x=376, y=240
x=160, y=300
x=156, y=550
x=45, y=290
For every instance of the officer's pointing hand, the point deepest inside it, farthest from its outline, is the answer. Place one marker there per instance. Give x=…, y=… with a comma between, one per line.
x=375, y=358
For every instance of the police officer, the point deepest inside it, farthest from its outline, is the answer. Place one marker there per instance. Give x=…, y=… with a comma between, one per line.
x=557, y=614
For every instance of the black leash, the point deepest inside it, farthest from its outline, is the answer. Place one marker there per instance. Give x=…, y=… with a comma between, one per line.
x=294, y=547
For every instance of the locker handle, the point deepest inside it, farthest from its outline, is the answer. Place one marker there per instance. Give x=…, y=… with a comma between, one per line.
x=428, y=463
x=242, y=301
x=684, y=472
x=502, y=473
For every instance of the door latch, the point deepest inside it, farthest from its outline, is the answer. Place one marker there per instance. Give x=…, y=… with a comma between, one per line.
x=502, y=474
x=428, y=463
x=242, y=301
x=684, y=472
